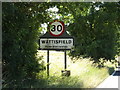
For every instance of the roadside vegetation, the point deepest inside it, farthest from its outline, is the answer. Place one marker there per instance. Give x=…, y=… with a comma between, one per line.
x=95, y=27
x=84, y=73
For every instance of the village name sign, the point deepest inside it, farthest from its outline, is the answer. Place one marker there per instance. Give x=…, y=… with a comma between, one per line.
x=56, y=38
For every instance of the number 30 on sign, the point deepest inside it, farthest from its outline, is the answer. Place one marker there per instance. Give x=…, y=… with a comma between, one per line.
x=56, y=28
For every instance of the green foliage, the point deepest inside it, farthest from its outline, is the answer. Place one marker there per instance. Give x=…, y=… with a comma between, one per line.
x=82, y=71
x=96, y=34
x=95, y=31
x=95, y=27
x=20, y=34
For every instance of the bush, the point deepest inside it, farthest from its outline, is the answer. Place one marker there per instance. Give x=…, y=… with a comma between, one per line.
x=19, y=45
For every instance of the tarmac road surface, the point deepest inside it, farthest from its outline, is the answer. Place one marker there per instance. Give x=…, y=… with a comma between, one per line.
x=112, y=81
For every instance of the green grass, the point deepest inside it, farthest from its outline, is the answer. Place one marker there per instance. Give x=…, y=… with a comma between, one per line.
x=83, y=73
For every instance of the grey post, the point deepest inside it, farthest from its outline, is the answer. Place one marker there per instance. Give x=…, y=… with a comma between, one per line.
x=65, y=60
x=48, y=63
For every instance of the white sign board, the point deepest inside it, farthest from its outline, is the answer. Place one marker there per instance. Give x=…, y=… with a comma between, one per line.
x=57, y=38
x=56, y=43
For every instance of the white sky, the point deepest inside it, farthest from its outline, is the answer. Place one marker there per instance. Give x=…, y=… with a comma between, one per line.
x=54, y=9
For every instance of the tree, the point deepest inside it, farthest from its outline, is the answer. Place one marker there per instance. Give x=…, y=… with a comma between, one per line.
x=94, y=27
x=21, y=22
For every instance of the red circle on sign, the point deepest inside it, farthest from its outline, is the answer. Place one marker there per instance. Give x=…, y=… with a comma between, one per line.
x=62, y=28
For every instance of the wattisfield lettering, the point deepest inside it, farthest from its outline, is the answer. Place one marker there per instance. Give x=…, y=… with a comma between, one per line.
x=56, y=41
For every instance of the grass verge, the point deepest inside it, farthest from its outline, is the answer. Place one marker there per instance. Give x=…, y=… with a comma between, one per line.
x=83, y=73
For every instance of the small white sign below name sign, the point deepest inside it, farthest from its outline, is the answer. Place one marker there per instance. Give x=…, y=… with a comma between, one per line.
x=56, y=43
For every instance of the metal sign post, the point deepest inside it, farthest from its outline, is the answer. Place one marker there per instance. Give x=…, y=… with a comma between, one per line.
x=65, y=60
x=48, y=63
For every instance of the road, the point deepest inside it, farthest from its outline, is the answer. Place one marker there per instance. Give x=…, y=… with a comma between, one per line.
x=112, y=81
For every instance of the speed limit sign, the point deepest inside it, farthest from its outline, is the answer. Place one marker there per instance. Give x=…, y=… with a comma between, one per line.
x=56, y=28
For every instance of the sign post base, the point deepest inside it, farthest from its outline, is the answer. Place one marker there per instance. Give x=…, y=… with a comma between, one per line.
x=65, y=73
